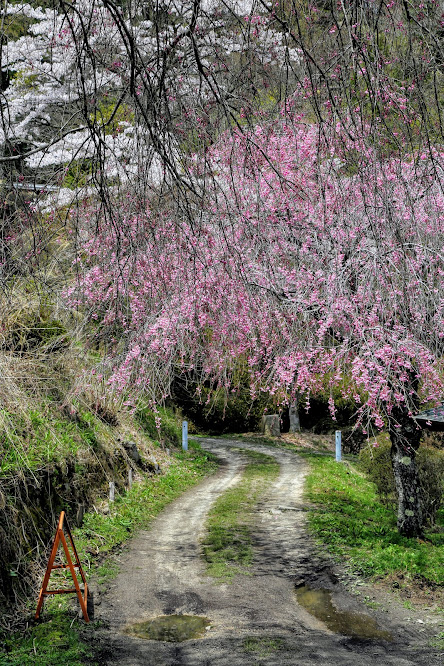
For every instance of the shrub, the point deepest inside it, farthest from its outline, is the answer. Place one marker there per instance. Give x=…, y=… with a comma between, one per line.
x=431, y=476
x=377, y=464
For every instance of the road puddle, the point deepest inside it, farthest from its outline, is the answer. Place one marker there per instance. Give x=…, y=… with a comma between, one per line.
x=171, y=628
x=318, y=602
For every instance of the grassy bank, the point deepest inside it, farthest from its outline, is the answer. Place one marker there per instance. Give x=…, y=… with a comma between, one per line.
x=351, y=522
x=55, y=458
x=228, y=541
x=61, y=638
x=43, y=435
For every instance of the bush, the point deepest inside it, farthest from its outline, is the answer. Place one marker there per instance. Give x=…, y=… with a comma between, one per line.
x=319, y=420
x=431, y=476
x=377, y=464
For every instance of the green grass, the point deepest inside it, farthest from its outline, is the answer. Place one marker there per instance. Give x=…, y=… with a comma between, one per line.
x=55, y=642
x=262, y=647
x=228, y=540
x=352, y=523
x=438, y=641
x=42, y=436
x=169, y=431
x=61, y=638
x=277, y=443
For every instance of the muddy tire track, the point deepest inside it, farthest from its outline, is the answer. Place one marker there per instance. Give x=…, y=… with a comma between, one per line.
x=162, y=573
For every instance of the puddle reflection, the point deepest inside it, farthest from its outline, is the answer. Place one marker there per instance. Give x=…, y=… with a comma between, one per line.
x=172, y=628
x=318, y=602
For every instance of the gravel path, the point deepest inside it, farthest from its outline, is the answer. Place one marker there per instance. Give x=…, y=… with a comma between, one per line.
x=162, y=573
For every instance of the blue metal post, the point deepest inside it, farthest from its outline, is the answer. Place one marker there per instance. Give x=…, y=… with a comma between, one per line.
x=185, y=435
x=338, y=439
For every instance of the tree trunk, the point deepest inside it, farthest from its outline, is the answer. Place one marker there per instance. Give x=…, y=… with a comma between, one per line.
x=405, y=441
x=295, y=425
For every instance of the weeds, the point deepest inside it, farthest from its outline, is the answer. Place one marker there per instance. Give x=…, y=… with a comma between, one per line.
x=167, y=431
x=262, y=647
x=42, y=435
x=55, y=642
x=350, y=519
x=228, y=541
x=438, y=641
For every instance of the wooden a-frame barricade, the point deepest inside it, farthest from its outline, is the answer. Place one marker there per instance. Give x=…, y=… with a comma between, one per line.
x=60, y=537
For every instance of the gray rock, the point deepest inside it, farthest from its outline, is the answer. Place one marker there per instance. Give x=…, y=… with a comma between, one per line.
x=270, y=425
x=295, y=425
x=132, y=450
x=156, y=465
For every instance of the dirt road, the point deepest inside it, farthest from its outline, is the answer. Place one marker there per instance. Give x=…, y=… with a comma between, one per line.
x=256, y=618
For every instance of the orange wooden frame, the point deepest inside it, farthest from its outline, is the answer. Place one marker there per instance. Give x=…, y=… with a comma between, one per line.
x=60, y=537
